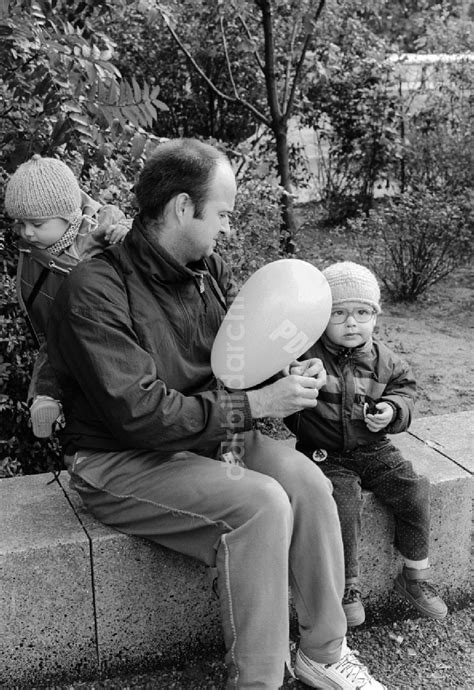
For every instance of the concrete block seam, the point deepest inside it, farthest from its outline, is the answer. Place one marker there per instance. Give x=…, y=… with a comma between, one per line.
x=91, y=559
x=436, y=448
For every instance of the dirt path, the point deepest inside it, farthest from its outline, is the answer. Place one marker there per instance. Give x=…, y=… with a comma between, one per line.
x=435, y=337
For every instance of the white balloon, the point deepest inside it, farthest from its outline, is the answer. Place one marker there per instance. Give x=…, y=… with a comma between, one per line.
x=279, y=312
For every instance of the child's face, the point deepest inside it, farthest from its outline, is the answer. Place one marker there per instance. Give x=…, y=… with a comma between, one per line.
x=42, y=233
x=352, y=332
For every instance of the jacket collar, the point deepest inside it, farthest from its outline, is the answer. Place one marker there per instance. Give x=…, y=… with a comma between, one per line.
x=155, y=262
x=345, y=353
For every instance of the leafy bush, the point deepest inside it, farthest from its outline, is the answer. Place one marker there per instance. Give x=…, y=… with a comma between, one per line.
x=60, y=86
x=413, y=242
x=357, y=134
x=352, y=106
x=256, y=224
x=439, y=150
x=147, y=51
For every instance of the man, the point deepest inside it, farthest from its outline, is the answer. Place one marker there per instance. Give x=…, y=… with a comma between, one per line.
x=149, y=430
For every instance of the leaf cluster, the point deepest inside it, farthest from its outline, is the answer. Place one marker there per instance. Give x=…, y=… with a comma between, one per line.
x=60, y=86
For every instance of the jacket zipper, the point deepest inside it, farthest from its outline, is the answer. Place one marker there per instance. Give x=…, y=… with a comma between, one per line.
x=51, y=264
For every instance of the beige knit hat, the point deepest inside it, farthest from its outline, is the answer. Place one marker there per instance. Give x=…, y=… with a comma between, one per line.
x=350, y=282
x=43, y=188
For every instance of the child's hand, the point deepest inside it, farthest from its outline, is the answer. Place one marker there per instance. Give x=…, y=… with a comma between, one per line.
x=377, y=422
x=308, y=367
x=115, y=233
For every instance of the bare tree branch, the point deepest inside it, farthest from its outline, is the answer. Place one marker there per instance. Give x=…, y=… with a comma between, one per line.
x=299, y=66
x=226, y=53
x=230, y=99
x=289, y=61
x=249, y=36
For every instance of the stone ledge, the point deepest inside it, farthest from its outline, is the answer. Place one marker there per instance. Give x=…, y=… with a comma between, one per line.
x=450, y=434
x=46, y=595
x=152, y=605
x=78, y=598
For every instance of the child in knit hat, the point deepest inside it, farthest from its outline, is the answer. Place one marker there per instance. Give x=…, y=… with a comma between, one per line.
x=369, y=392
x=59, y=226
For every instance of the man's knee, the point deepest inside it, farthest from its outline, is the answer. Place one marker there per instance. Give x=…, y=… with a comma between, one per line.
x=270, y=500
x=274, y=495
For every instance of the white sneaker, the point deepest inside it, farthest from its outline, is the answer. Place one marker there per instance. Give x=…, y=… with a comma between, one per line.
x=346, y=674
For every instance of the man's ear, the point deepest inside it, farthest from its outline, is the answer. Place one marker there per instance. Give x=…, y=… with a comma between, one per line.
x=183, y=205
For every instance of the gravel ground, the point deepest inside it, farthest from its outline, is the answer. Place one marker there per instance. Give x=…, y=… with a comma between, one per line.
x=404, y=655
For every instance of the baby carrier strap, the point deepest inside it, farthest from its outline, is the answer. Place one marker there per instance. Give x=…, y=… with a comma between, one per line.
x=39, y=274
x=36, y=288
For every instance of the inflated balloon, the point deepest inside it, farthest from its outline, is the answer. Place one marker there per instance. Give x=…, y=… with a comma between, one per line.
x=281, y=310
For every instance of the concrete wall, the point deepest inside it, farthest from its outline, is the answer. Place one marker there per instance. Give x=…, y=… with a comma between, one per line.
x=77, y=598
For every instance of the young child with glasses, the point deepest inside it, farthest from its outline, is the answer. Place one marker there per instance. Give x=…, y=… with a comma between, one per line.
x=370, y=392
x=59, y=225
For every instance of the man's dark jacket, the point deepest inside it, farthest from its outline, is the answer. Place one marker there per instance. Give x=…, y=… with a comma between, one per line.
x=130, y=338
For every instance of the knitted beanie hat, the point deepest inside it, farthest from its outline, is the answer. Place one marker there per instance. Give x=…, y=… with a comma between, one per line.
x=350, y=282
x=43, y=188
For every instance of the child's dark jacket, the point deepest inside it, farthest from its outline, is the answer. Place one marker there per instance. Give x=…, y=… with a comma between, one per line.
x=39, y=273
x=354, y=376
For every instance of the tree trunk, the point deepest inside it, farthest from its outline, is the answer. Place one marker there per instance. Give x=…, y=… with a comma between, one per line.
x=279, y=126
x=288, y=221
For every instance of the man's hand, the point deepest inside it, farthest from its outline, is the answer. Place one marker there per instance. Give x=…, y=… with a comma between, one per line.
x=378, y=421
x=290, y=394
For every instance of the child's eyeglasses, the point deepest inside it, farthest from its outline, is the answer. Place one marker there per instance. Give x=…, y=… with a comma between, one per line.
x=361, y=315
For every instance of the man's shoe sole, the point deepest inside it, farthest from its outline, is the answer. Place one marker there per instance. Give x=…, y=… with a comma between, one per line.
x=426, y=612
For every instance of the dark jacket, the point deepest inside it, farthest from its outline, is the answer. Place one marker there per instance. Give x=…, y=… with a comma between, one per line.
x=354, y=376
x=130, y=338
x=39, y=273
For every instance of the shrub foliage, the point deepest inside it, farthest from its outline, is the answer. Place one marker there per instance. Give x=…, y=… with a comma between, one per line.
x=415, y=241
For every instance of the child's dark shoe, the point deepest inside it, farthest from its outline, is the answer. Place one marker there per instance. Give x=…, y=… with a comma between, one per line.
x=352, y=605
x=414, y=586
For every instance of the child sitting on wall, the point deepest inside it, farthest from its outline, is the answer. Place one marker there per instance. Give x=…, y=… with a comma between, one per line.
x=370, y=392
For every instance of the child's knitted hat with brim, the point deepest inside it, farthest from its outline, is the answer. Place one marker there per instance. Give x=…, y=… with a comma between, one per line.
x=350, y=282
x=43, y=188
